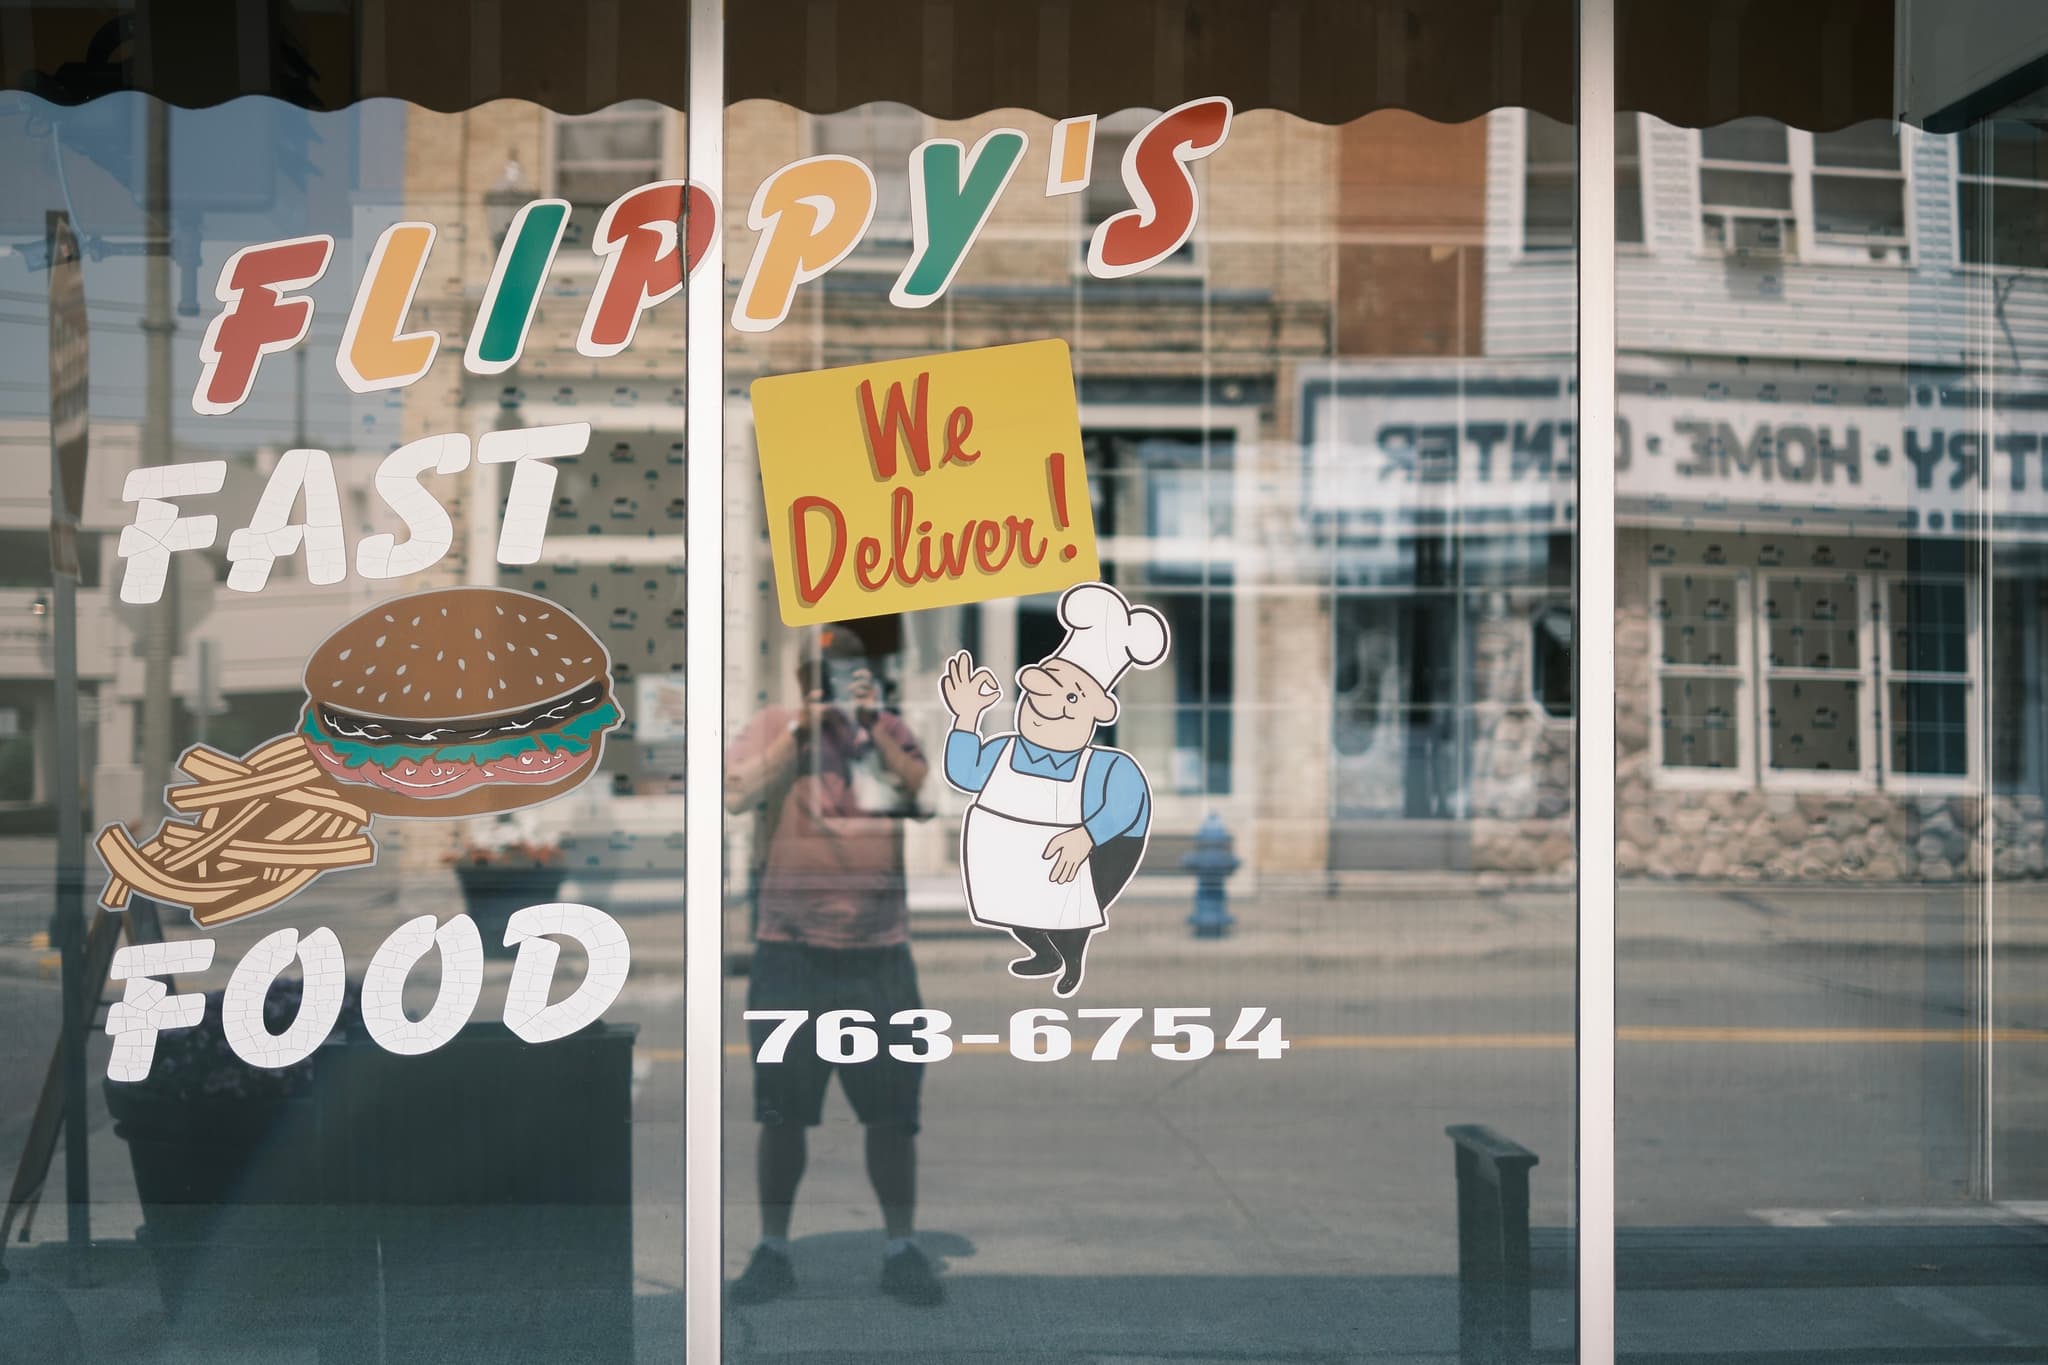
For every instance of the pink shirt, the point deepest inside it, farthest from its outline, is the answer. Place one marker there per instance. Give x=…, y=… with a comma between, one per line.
x=833, y=874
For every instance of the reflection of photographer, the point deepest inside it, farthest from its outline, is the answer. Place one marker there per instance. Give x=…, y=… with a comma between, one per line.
x=884, y=768
x=830, y=781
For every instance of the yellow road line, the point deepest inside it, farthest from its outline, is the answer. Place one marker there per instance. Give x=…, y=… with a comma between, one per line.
x=1429, y=1042
x=1825, y=1036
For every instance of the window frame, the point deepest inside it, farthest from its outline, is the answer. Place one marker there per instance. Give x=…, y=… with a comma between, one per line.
x=1236, y=554
x=1806, y=245
x=1958, y=178
x=1645, y=201
x=1742, y=672
x=585, y=262
x=1868, y=773
x=1970, y=679
x=1544, y=607
x=1191, y=261
x=1874, y=675
x=875, y=253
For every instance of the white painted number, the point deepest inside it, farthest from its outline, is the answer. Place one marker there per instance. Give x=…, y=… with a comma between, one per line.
x=1166, y=1023
x=842, y=1037
x=929, y=1028
x=1111, y=1043
x=1269, y=1046
x=849, y=1037
x=777, y=1041
x=1036, y=1035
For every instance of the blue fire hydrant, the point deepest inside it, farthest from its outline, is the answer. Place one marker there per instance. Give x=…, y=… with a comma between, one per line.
x=1211, y=861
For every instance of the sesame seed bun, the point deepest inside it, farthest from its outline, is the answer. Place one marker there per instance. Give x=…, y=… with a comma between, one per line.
x=418, y=670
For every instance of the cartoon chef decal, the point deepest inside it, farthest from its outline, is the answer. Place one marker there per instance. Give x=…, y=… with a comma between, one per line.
x=1058, y=824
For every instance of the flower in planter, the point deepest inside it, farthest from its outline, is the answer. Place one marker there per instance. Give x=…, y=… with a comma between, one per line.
x=197, y=1063
x=508, y=840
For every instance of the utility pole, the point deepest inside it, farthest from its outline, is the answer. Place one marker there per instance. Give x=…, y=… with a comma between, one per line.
x=160, y=631
x=70, y=365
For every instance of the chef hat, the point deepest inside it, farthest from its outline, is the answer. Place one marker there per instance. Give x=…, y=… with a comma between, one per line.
x=1106, y=634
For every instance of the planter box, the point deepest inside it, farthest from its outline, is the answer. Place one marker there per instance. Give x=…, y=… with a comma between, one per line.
x=472, y=1203
x=492, y=894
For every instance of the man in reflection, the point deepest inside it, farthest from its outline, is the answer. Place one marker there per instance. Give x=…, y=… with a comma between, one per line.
x=830, y=781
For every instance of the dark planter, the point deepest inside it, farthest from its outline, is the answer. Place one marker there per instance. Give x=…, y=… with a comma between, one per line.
x=472, y=1203
x=492, y=894
x=219, y=1185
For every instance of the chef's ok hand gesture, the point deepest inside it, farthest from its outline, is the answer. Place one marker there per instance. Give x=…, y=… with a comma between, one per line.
x=968, y=691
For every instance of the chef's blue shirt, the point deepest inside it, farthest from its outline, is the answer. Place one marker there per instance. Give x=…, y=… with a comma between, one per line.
x=1114, y=798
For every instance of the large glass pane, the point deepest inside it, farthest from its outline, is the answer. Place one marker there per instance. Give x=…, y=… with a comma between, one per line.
x=357, y=737
x=1829, y=787
x=1343, y=479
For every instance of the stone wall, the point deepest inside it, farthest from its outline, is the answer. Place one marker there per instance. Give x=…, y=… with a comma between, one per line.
x=1522, y=760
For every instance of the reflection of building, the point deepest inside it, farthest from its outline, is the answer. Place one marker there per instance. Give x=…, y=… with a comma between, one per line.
x=1334, y=442
x=1829, y=534
x=614, y=547
x=27, y=695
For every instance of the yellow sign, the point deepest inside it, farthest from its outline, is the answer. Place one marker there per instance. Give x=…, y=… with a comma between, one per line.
x=925, y=482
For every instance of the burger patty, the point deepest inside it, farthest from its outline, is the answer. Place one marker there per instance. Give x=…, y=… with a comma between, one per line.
x=545, y=716
x=430, y=779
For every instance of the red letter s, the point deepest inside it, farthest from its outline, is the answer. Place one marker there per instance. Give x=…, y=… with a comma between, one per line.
x=1155, y=171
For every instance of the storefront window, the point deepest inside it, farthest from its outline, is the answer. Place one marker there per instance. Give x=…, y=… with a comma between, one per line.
x=1306, y=462
x=1826, y=806
x=1071, y=681
x=345, y=754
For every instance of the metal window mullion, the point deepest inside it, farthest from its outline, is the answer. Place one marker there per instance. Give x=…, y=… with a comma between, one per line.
x=704, y=674
x=1596, y=590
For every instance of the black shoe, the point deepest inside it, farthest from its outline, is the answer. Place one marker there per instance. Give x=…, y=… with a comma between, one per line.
x=769, y=1275
x=1041, y=963
x=907, y=1277
x=1072, y=946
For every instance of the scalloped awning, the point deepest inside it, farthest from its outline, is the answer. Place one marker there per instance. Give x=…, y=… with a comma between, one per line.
x=1813, y=63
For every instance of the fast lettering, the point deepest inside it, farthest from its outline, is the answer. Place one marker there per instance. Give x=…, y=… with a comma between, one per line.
x=302, y=485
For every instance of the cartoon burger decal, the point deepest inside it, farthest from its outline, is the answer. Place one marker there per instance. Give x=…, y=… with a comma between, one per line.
x=454, y=702
x=458, y=702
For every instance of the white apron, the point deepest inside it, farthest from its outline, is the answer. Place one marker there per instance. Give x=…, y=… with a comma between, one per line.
x=1002, y=850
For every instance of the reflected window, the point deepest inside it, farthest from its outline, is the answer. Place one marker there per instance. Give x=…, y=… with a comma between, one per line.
x=600, y=156
x=1107, y=196
x=1700, y=661
x=1550, y=184
x=2002, y=196
x=882, y=136
x=1813, y=665
x=1860, y=679
x=25, y=559
x=1746, y=188
x=1769, y=191
x=1927, y=698
x=1859, y=191
x=1550, y=661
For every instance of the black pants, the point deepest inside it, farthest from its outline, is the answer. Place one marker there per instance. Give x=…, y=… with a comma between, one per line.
x=1064, y=945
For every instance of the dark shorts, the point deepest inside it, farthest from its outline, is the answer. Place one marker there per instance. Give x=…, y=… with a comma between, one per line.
x=794, y=976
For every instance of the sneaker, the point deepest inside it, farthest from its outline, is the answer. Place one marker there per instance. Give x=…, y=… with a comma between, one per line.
x=769, y=1275
x=907, y=1277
